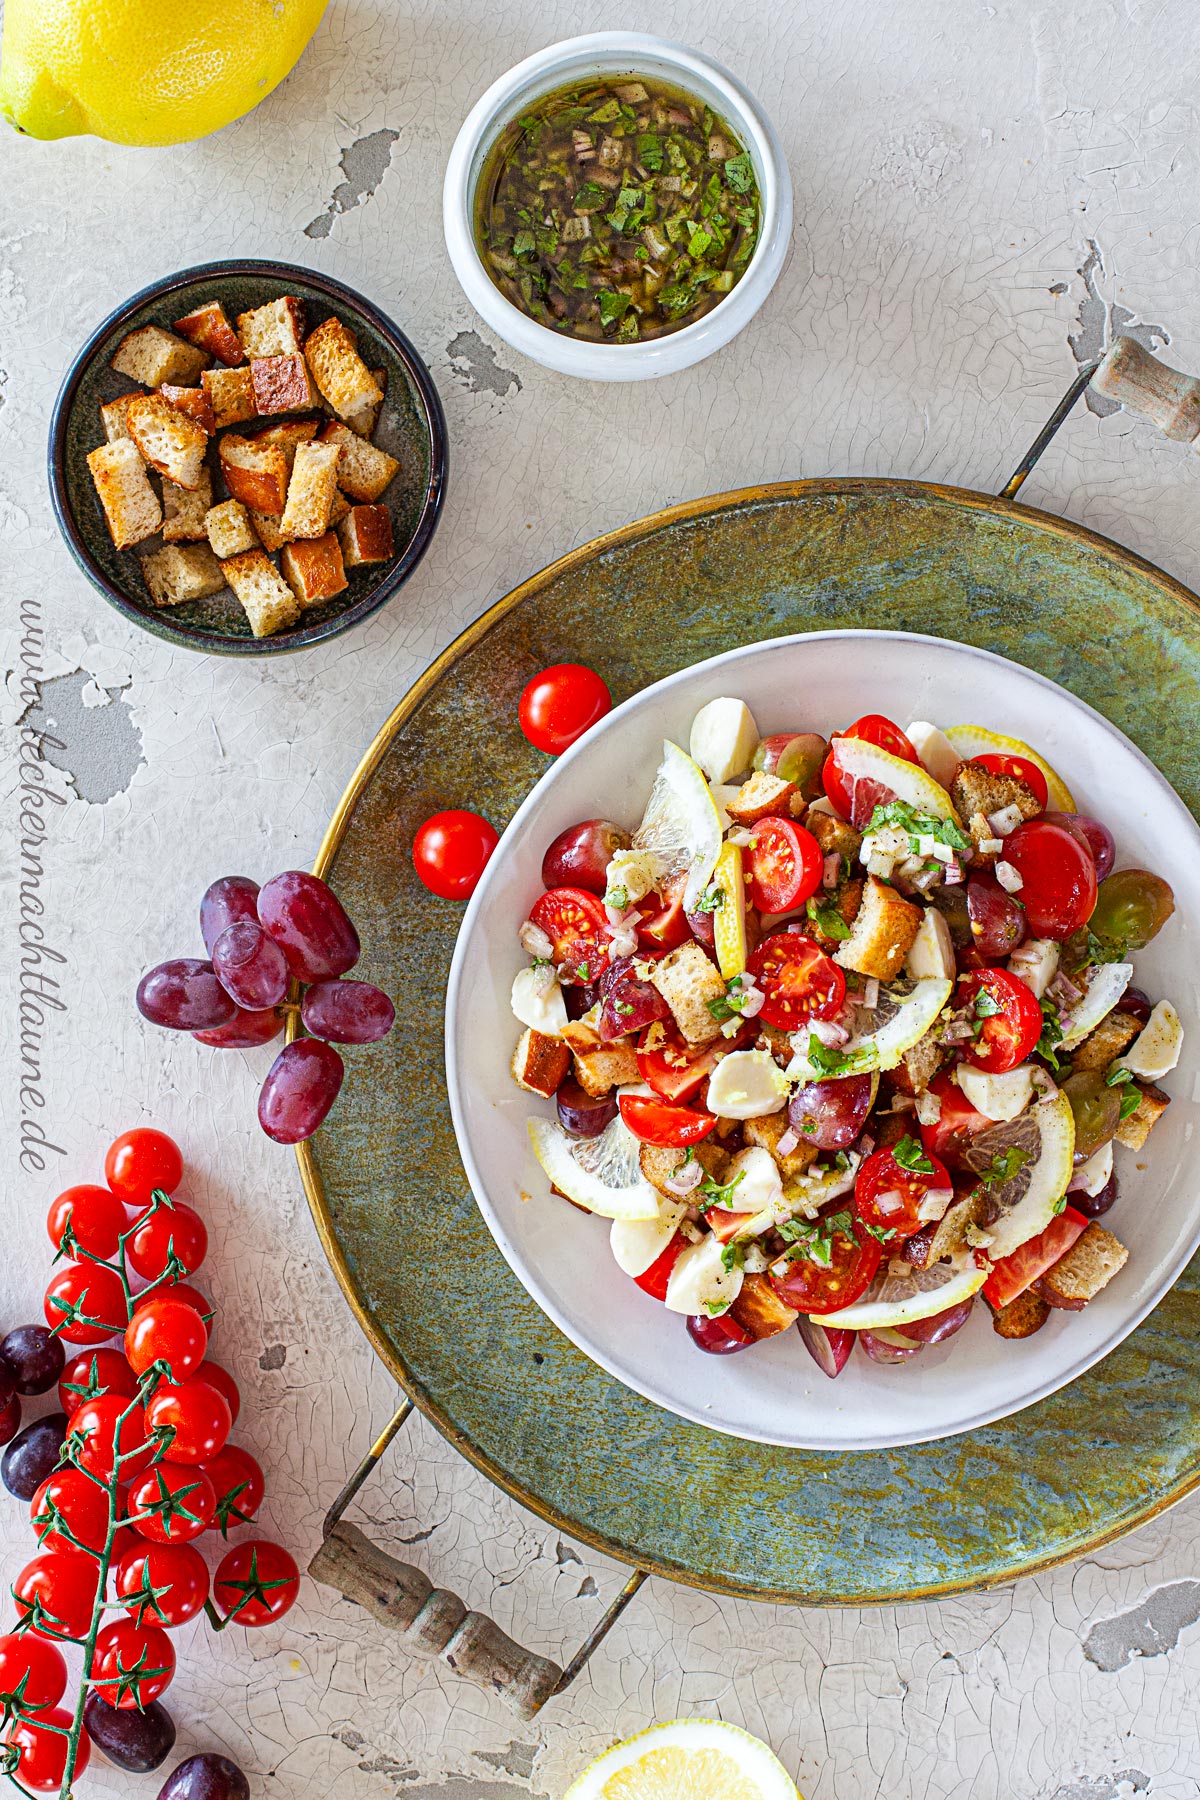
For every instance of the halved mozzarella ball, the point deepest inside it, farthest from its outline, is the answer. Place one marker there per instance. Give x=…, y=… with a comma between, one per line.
x=700, y=1282
x=998, y=1097
x=724, y=738
x=747, y=1084
x=1156, y=1049
x=932, y=952
x=538, y=1002
x=936, y=753
x=637, y=1244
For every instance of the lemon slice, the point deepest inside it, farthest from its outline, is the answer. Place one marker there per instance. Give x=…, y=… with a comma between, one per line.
x=681, y=827
x=974, y=740
x=1106, y=984
x=882, y=1035
x=860, y=761
x=729, y=919
x=897, y=1300
x=688, y=1759
x=1032, y=1194
x=603, y=1173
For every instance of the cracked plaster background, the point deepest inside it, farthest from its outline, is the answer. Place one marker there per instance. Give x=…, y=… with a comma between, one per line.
x=980, y=190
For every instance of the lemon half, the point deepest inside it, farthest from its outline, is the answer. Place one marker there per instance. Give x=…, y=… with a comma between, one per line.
x=976, y=740
x=602, y=1174
x=681, y=826
x=687, y=1759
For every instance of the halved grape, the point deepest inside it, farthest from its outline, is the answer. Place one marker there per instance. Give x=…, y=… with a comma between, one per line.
x=310, y=925
x=997, y=922
x=347, y=1012
x=184, y=995
x=302, y=1084
x=794, y=756
x=580, y=997
x=227, y=902
x=828, y=1345
x=250, y=966
x=1093, y=1206
x=704, y=928
x=1137, y=1003
x=1097, y=837
x=582, y=1115
x=941, y=1326
x=720, y=1336
x=627, y=1002
x=879, y=1347
x=579, y=856
x=830, y=1114
x=244, y=1031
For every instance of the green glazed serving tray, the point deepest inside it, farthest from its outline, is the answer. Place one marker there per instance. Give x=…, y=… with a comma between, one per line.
x=388, y=1193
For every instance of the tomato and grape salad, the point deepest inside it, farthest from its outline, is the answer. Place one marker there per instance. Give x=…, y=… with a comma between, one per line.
x=842, y=1033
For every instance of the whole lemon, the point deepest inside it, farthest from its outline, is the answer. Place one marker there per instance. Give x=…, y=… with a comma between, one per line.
x=145, y=71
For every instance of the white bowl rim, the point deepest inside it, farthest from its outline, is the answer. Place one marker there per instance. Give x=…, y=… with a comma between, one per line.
x=678, y=349
x=528, y=1276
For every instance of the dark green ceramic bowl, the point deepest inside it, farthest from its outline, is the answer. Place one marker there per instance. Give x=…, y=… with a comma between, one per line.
x=412, y=427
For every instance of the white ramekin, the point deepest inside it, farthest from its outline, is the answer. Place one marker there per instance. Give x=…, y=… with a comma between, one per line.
x=632, y=53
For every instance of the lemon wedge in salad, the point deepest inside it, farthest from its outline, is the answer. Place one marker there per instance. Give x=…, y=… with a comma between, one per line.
x=975, y=740
x=1027, y=1165
x=893, y=1301
x=681, y=827
x=881, y=1037
x=687, y=1759
x=860, y=761
x=602, y=1174
x=729, y=916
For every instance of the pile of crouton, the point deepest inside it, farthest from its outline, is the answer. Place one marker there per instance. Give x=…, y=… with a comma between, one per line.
x=309, y=488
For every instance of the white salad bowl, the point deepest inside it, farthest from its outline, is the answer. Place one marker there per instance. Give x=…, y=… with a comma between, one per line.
x=773, y=1392
x=576, y=59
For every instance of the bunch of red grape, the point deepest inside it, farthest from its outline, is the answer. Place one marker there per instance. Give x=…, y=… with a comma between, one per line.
x=120, y=1482
x=260, y=940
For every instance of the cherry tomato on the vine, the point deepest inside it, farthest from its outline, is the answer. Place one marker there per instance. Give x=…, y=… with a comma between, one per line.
x=889, y=1190
x=165, y=1233
x=1058, y=878
x=94, y=1218
x=85, y=1303
x=171, y=1503
x=57, y=1589
x=1008, y=1016
x=224, y=1383
x=97, y=1423
x=41, y=1745
x=1000, y=762
x=238, y=1484
x=451, y=851
x=799, y=981
x=656, y=1121
x=256, y=1583
x=560, y=704
x=162, y=1584
x=168, y=1331
x=133, y=1663
x=180, y=1290
x=32, y=1668
x=67, y=1498
x=195, y=1414
x=140, y=1161
x=92, y=1373
x=786, y=865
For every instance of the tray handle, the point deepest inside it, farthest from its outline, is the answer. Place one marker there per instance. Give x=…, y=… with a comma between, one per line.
x=1140, y=383
x=433, y=1622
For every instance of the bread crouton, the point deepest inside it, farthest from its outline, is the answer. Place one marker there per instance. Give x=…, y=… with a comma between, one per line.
x=339, y=510
x=977, y=793
x=311, y=491
x=1021, y=1317
x=168, y=439
x=1152, y=1104
x=834, y=835
x=184, y=511
x=194, y=402
x=759, y=1310
x=580, y=1034
x=231, y=392
x=228, y=529
x=208, y=329
x=366, y=534
x=276, y=329
x=882, y=933
x=762, y=796
x=949, y=1235
x=282, y=384
x=767, y=1132
x=130, y=504
x=687, y=982
x=339, y=371
x=153, y=356
x=1103, y=1045
x=610, y=1065
x=918, y=1066
x=269, y=602
x=287, y=436
x=112, y=416
x=779, y=1043
x=658, y=1162
x=539, y=1063
x=255, y=474
x=366, y=469
x=313, y=569
x=365, y=418
x=267, y=529
x=1089, y=1265
x=180, y=572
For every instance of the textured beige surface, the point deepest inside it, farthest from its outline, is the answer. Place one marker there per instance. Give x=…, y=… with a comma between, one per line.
x=956, y=166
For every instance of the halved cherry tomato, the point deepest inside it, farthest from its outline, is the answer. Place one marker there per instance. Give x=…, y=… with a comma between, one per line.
x=653, y=1281
x=663, y=925
x=786, y=865
x=817, y=1287
x=999, y=762
x=798, y=980
x=671, y=1066
x=1058, y=878
x=1013, y=1274
x=574, y=921
x=656, y=1121
x=888, y=1193
x=863, y=797
x=1009, y=1018
x=956, y=1124
x=560, y=704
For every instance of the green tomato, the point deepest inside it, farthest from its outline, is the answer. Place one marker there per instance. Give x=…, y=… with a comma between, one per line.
x=1132, y=906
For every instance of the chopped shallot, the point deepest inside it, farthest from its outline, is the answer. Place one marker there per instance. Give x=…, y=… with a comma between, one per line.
x=1009, y=877
x=1005, y=821
x=954, y=872
x=829, y=876
x=534, y=942
x=753, y=1003
x=787, y=1142
x=686, y=1177
x=870, y=996
x=829, y=1033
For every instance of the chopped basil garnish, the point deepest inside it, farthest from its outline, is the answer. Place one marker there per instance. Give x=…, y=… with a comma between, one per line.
x=917, y=824
x=713, y=1194
x=910, y=1154
x=1004, y=1165
x=826, y=917
x=712, y=897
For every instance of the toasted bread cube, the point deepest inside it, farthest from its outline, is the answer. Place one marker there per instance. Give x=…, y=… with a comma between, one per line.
x=194, y=402
x=610, y=1065
x=1021, y=1317
x=366, y=534
x=255, y=474
x=276, y=329
x=918, y=1066
x=311, y=491
x=767, y=1131
x=977, y=793
x=687, y=982
x=184, y=511
x=269, y=602
x=209, y=329
x=313, y=569
x=168, y=439
x=365, y=418
x=1089, y=1265
x=882, y=933
x=366, y=469
x=153, y=356
x=180, y=572
x=834, y=835
x=231, y=392
x=539, y=1063
x=763, y=795
x=282, y=384
x=338, y=511
x=286, y=436
x=267, y=529
x=759, y=1310
x=130, y=504
x=1103, y=1045
x=339, y=371
x=112, y=415
x=228, y=529
x=1153, y=1103
x=948, y=1237
x=658, y=1162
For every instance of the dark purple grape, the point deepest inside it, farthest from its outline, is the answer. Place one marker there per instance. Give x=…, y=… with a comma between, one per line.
x=1097, y=837
x=244, y=1030
x=137, y=1741
x=205, y=1777
x=227, y=902
x=250, y=966
x=310, y=925
x=579, y=856
x=580, y=1114
x=33, y=1357
x=941, y=1326
x=997, y=922
x=302, y=1084
x=1136, y=1003
x=10, y=1419
x=580, y=997
x=1092, y=1206
x=347, y=1012
x=627, y=1003
x=881, y=1351
x=30, y=1458
x=184, y=995
x=703, y=929
x=719, y=1337
x=828, y=1345
x=830, y=1114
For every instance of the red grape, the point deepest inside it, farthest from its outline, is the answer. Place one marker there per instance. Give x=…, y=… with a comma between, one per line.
x=629, y=1004
x=997, y=922
x=250, y=966
x=940, y=1326
x=310, y=925
x=184, y=995
x=301, y=1086
x=828, y=1345
x=135, y=1739
x=244, y=1031
x=228, y=901
x=10, y=1419
x=1092, y=1206
x=580, y=1114
x=206, y=1777
x=347, y=1012
x=579, y=856
x=33, y=1356
x=881, y=1350
x=720, y=1336
x=830, y=1114
x=1097, y=837
x=1137, y=1003
x=33, y=1455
